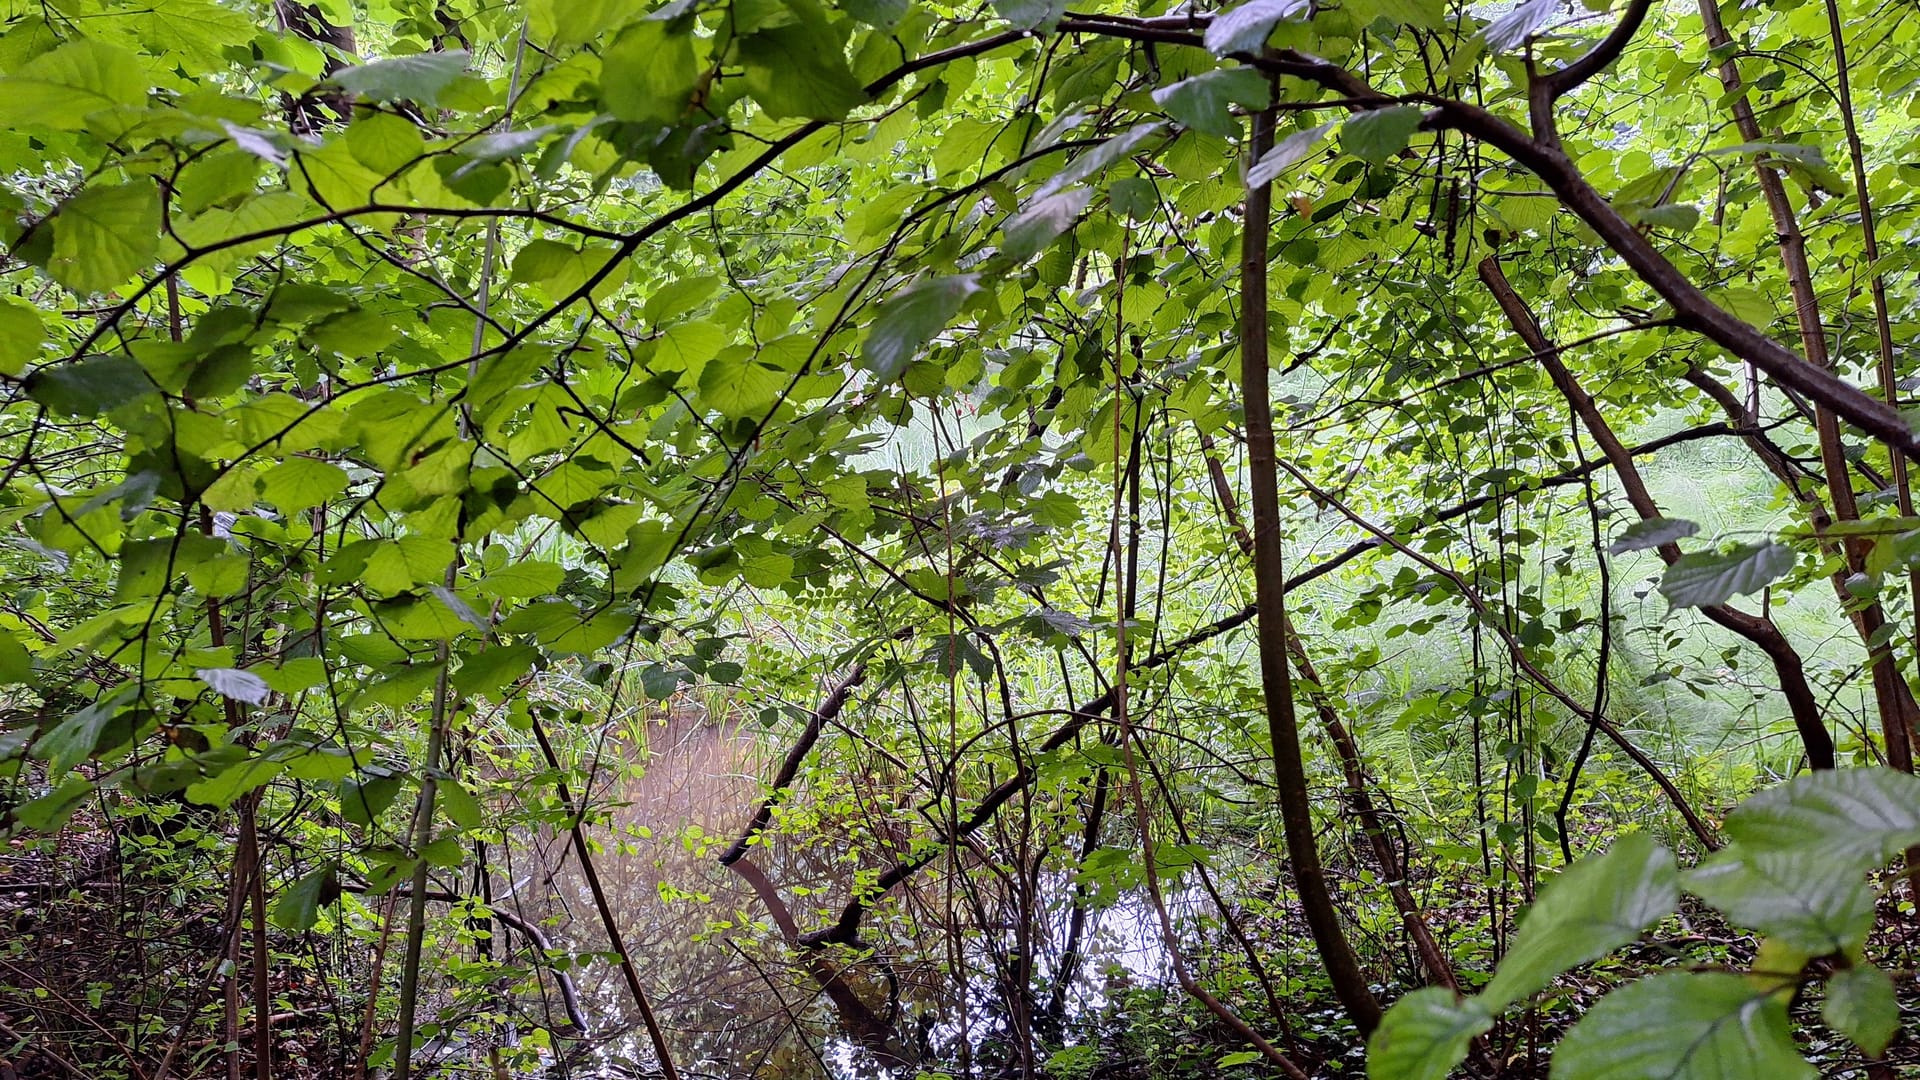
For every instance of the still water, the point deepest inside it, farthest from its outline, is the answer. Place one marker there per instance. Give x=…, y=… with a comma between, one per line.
x=727, y=990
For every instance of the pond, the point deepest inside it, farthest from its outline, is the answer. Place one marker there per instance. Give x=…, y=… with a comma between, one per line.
x=735, y=1001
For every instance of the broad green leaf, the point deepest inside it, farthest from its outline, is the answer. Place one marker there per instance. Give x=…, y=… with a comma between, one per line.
x=525, y=578
x=102, y=726
x=576, y=22
x=300, y=483
x=1096, y=160
x=50, y=811
x=1593, y=908
x=1245, y=29
x=459, y=805
x=1041, y=221
x=738, y=384
x=225, y=787
x=21, y=334
x=650, y=74
x=418, y=78
x=1041, y=15
x=90, y=387
x=1421, y=14
x=1425, y=1035
x=1652, y=533
x=1806, y=898
x=910, y=318
x=1378, y=134
x=1204, y=102
x=1861, y=1005
x=1285, y=154
x=1707, y=578
x=679, y=297
x=365, y=799
x=298, y=908
x=880, y=14
x=104, y=236
x=60, y=89
x=1677, y=217
x=1857, y=817
x=1683, y=1026
x=800, y=70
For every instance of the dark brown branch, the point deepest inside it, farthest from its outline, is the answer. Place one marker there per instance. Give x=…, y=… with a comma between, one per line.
x=830, y=707
x=1758, y=629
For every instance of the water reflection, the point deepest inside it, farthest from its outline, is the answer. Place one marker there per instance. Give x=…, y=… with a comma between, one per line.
x=733, y=998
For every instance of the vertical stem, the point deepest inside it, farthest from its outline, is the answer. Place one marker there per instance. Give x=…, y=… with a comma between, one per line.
x=1269, y=576
x=614, y=940
x=1891, y=694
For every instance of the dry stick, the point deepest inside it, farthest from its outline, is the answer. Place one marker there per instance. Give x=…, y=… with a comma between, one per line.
x=1393, y=865
x=1891, y=693
x=1758, y=629
x=1472, y=596
x=1269, y=576
x=574, y=813
x=373, y=987
x=1123, y=719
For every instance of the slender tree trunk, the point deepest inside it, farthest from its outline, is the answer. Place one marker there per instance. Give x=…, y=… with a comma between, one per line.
x=1392, y=862
x=1759, y=630
x=1269, y=576
x=1891, y=693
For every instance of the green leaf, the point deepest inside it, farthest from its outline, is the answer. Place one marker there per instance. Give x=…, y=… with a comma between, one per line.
x=1378, y=134
x=910, y=318
x=1239, y=1057
x=418, y=78
x=1858, y=817
x=298, y=908
x=738, y=384
x=1203, y=101
x=1041, y=221
x=678, y=297
x=1245, y=29
x=60, y=89
x=1861, y=1005
x=879, y=14
x=1096, y=160
x=1678, y=217
x=1425, y=1035
x=1421, y=14
x=1805, y=898
x=1041, y=15
x=91, y=387
x=363, y=800
x=1683, y=1026
x=1596, y=906
x=649, y=74
x=1707, y=578
x=800, y=70
x=300, y=483
x=21, y=334
x=459, y=804
x=104, y=236
x=1285, y=154
x=1652, y=533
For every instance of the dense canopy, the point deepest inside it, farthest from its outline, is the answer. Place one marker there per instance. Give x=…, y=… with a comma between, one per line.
x=784, y=538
